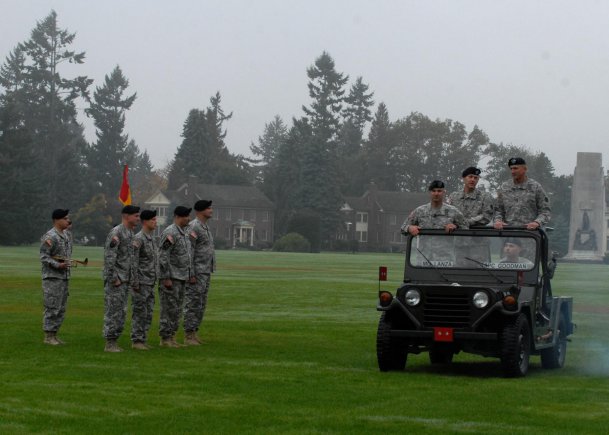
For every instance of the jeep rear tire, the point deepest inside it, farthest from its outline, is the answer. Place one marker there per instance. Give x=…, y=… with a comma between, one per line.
x=390, y=352
x=516, y=347
x=554, y=357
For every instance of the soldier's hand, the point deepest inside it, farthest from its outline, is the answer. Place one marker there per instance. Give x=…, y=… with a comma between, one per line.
x=449, y=228
x=117, y=282
x=532, y=225
x=413, y=230
x=192, y=280
x=136, y=289
x=167, y=283
x=499, y=225
x=63, y=266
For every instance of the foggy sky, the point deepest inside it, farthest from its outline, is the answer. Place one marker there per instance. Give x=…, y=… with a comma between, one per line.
x=532, y=73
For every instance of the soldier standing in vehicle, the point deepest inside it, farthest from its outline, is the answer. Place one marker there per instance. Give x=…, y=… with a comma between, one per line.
x=55, y=253
x=144, y=273
x=477, y=206
x=436, y=214
x=118, y=257
x=204, y=259
x=478, y=209
x=521, y=201
x=176, y=269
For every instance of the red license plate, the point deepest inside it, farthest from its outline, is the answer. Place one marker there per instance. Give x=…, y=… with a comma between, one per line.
x=443, y=334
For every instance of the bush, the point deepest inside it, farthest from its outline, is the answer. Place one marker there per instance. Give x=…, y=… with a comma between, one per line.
x=292, y=242
x=220, y=243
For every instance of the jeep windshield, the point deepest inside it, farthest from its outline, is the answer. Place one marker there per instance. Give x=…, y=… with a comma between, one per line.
x=468, y=251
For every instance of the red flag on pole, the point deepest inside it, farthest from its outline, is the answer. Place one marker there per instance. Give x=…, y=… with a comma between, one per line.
x=125, y=194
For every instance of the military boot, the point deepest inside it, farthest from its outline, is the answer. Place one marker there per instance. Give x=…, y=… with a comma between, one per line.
x=191, y=339
x=51, y=338
x=168, y=342
x=112, y=346
x=175, y=343
x=138, y=345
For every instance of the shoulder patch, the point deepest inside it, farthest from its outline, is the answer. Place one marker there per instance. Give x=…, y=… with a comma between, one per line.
x=115, y=241
x=49, y=242
x=167, y=243
x=193, y=235
x=136, y=243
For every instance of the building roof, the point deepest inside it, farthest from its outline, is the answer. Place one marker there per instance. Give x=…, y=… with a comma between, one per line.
x=222, y=195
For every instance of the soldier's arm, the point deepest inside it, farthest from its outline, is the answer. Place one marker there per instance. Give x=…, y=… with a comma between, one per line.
x=165, y=247
x=499, y=208
x=543, y=207
x=134, y=276
x=47, y=249
x=411, y=220
x=486, y=214
x=110, y=256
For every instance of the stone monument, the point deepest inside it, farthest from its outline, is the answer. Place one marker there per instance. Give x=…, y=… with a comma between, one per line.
x=587, y=233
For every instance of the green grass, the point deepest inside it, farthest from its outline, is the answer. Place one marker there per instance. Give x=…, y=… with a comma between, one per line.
x=291, y=350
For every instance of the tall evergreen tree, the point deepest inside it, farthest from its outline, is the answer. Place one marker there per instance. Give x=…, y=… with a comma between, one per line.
x=109, y=154
x=39, y=117
x=320, y=185
x=378, y=152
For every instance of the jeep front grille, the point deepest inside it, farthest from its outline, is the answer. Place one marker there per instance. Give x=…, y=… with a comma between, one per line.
x=447, y=309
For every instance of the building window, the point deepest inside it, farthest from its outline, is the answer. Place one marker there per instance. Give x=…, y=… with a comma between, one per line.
x=393, y=219
x=252, y=216
x=263, y=235
x=378, y=218
x=227, y=233
x=361, y=236
x=361, y=217
x=227, y=214
x=217, y=213
x=265, y=216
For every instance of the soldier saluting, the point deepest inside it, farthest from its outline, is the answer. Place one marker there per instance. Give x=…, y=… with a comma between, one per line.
x=476, y=205
x=55, y=253
x=176, y=269
x=144, y=273
x=118, y=257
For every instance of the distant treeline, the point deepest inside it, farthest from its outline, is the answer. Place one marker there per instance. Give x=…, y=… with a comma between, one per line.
x=341, y=143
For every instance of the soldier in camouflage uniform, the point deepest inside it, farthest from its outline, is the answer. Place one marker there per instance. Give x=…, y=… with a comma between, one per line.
x=118, y=258
x=55, y=253
x=204, y=259
x=478, y=209
x=435, y=215
x=144, y=274
x=521, y=201
x=176, y=269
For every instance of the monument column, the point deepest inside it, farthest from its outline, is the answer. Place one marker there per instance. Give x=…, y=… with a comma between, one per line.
x=587, y=230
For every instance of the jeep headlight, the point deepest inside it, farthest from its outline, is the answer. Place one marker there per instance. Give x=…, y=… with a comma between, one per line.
x=412, y=297
x=480, y=299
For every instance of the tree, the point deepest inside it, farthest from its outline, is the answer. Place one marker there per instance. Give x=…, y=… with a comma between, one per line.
x=110, y=153
x=320, y=189
x=378, y=152
x=274, y=136
x=203, y=153
x=39, y=127
x=434, y=150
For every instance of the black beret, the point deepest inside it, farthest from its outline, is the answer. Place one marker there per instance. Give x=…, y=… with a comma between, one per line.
x=436, y=184
x=202, y=204
x=59, y=213
x=516, y=161
x=472, y=170
x=182, y=211
x=130, y=209
x=146, y=215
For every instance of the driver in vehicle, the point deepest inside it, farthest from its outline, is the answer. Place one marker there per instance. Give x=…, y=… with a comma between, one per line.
x=512, y=249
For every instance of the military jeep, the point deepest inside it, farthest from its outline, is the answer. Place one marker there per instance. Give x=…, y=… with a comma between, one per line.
x=481, y=291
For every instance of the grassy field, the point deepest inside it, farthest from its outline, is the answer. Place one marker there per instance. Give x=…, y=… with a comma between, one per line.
x=291, y=349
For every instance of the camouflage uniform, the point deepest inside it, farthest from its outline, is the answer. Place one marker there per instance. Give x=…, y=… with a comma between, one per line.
x=426, y=216
x=144, y=274
x=204, y=259
x=54, y=281
x=519, y=204
x=175, y=263
x=478, y=209
x=118, y=257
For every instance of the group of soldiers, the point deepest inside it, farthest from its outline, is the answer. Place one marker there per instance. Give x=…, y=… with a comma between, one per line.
x=520, y=202
x=181, y=262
